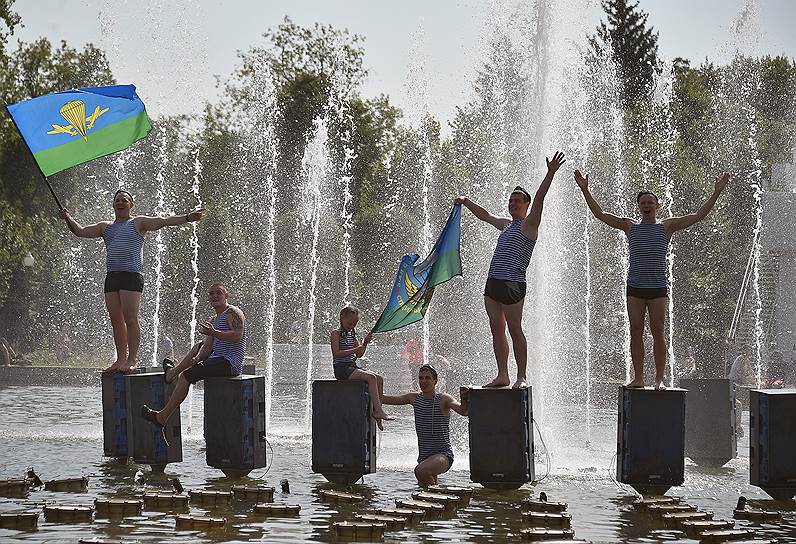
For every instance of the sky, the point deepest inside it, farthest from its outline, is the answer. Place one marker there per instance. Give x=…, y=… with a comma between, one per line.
x=172, y=50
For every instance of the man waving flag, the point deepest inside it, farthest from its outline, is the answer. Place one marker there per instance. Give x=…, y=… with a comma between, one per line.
x=414, y=283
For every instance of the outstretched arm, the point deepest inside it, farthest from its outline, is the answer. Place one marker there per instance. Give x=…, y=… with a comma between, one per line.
x=480, y=213
x=147, y=224
x=530, y=227
x=673, y=224
x=397, y=400
x=448, y=402
x=89, y=231
x=621, y=223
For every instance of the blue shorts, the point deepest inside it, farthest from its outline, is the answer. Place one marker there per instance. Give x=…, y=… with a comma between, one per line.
x=343, y=371
x=214, y=367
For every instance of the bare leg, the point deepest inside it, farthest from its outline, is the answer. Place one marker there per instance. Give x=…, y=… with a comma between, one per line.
x=513, y=313
x=500, y=344
x=427, y=471
x=373, y=390
x=185, y=363
x=114, y=305
x=635, y=311
x=176, y=398
x=657, y=311
x=131, y=302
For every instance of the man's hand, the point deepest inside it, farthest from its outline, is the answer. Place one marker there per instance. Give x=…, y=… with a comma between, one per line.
x=555, y=164
x=368, y=338
x=582, y=182
x=64, y=213
x=195, y=215
x=464, y=393
x=207, y=329
x=459, y=199
x=721, y=181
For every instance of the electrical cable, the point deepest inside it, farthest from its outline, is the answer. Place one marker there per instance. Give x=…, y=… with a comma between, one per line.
x=546, y=452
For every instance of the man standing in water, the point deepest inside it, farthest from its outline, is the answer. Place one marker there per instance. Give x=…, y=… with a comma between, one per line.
x=432, y=424
x=504, y=294
x=124, y=282
x=219, y=355
x=647, y=278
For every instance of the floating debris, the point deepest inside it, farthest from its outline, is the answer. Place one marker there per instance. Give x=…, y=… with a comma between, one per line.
x=693, y=529
x=451, y=502
x=752, y=514
x=118, y=507
x=464, y=493
x=200, y=522
x=710, y=537
x=432, y=509
x=674, y=520
x=23, y=521
x=210, y=498
x=175, y=483
x=277, y=509
x=33, y=478
x=336, y=497
x=355, y=530
x=393, y=523
x=68, y=485
x=544, y=506
x=548, y=519
x=258, y=494
x=16, y=488
x=412, y=515
x=547, y=534
x=659, y=510
x=68, y=514
x=165, y=501
x=646, y=502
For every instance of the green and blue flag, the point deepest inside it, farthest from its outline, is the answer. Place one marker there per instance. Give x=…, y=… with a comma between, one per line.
x=72, y=127
x=415, y=282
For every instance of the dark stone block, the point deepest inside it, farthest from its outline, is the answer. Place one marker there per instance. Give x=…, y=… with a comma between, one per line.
x=501, y=437
x=650, y=447
x=343, y=433
x=145, y=441
x=772, y=441
x=710, y=421
x=234, y=424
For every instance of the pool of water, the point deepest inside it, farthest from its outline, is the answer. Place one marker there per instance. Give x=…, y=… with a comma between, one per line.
x=58, y=431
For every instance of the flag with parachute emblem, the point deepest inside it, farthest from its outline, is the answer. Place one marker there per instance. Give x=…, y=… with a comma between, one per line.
x=72, y=127
x=415, y=282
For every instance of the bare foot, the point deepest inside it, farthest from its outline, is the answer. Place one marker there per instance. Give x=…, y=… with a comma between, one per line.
x=500, y=381
x=659, y=386
x=115, y=367
x=635, y=384
x=520, y=383
x=379, y=424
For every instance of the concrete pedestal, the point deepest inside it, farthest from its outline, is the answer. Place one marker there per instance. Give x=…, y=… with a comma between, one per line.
x=710, y=437
x=772, y=441
x=501, y=437
x=234, y=424
x=145, y=440
x=343, y=433
x=650, y=447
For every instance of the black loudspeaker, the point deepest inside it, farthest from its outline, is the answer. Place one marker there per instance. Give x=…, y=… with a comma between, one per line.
x=772, y=441
x=234, y=424
x=501, y=437
x=650, y=447
x=144, y=439
x=343, y=433
x=710, y=437
x=114, y=415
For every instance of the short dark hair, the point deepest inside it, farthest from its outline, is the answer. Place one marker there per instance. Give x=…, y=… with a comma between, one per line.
x=125, y=192
x=526, y=194
x=427, y=368
x=642, y=193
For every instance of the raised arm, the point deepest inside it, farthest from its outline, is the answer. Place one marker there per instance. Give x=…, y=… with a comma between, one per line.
x=397, y=400
x=480, y=213
x=450, y=403
x=673, y=224
x=89, y=231
x=621, y=223
x=530, y=226
x=146, y=223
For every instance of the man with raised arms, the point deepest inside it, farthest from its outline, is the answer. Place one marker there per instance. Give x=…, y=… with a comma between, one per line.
x=504, y=294
x=647, y=278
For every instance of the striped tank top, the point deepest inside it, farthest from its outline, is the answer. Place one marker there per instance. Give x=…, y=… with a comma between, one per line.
x=433, y=429
x=512, y=254
x=125, y=247
x=648, y=247
x=346, y=341
x=231, y=351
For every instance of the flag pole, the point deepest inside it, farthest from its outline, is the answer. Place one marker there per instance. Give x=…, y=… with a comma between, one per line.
x=50, y=187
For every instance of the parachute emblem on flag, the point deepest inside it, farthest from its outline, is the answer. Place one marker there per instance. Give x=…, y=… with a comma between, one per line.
x=79, y=124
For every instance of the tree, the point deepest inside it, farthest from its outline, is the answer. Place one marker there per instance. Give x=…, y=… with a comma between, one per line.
x=633, y=47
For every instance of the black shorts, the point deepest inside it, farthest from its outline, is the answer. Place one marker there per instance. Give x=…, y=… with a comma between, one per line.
x=124, y=281
x=214, y=367
x=504, y=291
x=343, y=371
x=649, y=294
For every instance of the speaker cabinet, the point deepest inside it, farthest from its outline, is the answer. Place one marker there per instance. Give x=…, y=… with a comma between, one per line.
x=501, y=437
x=234, y=423
x=145, y=441
x=710, y=437
x=650, y=445
x=114, y=415
x=343, y=433
x=772, y=441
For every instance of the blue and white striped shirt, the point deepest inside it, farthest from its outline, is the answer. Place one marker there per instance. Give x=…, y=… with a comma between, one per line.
x=433, y=429
x=346, y=341
x=125, y=247
x=231, y=351
x=648, y=247
x=512, y=254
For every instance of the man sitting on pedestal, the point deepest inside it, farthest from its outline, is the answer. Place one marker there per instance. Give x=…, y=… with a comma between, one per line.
x=219, y=355
x=432, y=424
